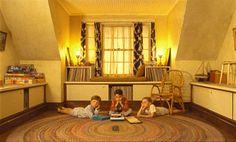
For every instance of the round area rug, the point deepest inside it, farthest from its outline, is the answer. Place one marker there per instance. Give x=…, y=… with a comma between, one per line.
x=68, y=128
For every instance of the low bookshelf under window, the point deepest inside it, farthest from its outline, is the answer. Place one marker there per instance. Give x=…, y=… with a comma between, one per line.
x=79, y=73
x=155, y=73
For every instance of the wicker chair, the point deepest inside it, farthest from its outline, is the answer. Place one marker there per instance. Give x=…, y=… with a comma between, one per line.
x=169, y=90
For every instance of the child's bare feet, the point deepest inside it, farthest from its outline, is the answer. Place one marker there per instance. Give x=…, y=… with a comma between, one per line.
x=59, y=109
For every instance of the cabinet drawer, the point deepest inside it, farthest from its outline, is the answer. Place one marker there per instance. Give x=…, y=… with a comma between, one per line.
x=11, y=102
x=36, y=96
x=140, y=91
x=85, y=92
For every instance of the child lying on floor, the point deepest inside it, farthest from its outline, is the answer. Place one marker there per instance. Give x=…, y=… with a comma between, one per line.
x=119, y=104
x=89, y=111
x=148, y=109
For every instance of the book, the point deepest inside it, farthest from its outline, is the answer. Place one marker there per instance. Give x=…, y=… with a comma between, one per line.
x=117, y=117
x=101, y=117
x=133, y=120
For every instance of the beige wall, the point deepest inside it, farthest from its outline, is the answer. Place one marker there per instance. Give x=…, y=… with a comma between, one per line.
x=31, y=28
x=61, y=22
x=227, y=51
x=52, y=71
x=175, y=24
x=75, y=35
x=9, y=56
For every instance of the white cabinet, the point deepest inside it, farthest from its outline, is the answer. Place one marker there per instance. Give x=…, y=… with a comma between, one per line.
x=85, y=92
x=36, y=96
x=11, y=102
x=201, y=96
x=214, y=100
x=140, y=91
x=234, y=106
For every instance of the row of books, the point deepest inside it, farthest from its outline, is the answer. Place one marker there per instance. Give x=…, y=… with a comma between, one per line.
x=155, y=73
x=23, y=74
x=79, y=74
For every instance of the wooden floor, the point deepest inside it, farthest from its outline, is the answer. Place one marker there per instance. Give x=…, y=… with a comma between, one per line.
x=229, y=133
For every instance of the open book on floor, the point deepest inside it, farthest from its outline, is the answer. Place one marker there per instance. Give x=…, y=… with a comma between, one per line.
x=133, y=120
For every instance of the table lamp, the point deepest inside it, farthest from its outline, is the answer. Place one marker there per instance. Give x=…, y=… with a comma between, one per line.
x=160, y=53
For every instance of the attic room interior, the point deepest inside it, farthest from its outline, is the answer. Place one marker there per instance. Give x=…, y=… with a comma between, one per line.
x=117, y=70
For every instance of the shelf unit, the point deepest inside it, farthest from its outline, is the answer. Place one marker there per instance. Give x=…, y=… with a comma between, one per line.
x=155, y=73
x=79, y=73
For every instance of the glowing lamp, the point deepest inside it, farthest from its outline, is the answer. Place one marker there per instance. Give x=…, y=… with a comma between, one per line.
x=160, y=54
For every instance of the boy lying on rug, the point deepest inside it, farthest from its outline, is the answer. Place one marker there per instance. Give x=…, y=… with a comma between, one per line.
x=119, y=104
x=89, y=111
x=148, y=109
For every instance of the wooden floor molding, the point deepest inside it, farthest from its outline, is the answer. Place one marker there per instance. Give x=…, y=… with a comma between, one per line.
x=213, y=117
x=21, y=117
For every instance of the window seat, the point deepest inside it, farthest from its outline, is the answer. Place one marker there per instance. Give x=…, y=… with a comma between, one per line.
x=118, y=79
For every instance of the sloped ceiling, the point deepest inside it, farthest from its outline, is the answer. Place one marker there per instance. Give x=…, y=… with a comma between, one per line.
x=31, y=28
x=204, y=28
x=118, y=7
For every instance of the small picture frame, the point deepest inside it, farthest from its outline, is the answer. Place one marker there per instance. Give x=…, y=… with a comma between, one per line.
x=3, y=38
x=234, y=36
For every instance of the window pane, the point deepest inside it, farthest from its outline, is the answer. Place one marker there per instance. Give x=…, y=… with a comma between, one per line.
x=90, y=44
x=118, y=32
x=120, y=68
x=146, y=43
x=107, y=43
x=128, y=56
x=145, y=55
x=90, y=30
x=107, y=32
x=107, y=56
x=146, y=30
x=91, y=56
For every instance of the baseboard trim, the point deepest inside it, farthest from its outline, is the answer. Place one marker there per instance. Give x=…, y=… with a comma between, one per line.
x=213, y=117
x=20, y=117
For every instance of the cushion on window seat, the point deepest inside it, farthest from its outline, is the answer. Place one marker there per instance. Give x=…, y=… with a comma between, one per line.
x=118, y=79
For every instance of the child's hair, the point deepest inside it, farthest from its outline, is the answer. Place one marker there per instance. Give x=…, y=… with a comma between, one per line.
x=118, y=91
x=148, y=99
x=97, y=98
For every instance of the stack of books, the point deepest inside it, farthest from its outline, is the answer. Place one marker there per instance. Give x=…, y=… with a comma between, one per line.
x=23, y=74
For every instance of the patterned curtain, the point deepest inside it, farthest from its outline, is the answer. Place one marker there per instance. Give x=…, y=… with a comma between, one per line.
x=98, y=62
x=83, y=41
x=138, y=46
x=153, y=42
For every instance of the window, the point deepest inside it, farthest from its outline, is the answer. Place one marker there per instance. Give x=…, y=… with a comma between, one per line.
x=91, y=49
x=146, y=41
x=117, y=45
x=118, y=49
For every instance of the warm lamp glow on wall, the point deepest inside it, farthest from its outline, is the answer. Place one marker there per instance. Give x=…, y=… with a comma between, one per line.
x=78, y=55
x=160, y=53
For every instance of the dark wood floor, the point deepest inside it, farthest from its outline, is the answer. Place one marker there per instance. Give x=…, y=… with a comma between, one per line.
x=229, y=133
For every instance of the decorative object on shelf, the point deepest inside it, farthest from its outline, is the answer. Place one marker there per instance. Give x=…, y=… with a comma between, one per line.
x=230, y=72
x=202, y=76
x=3, y=38
x=79, y=57
x=234, y=36
x=68, y=57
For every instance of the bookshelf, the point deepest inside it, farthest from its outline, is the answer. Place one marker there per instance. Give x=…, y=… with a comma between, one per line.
x=79, y=73
x=155, y=73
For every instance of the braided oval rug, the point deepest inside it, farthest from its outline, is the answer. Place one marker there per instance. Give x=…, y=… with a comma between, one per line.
x=67, y=128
